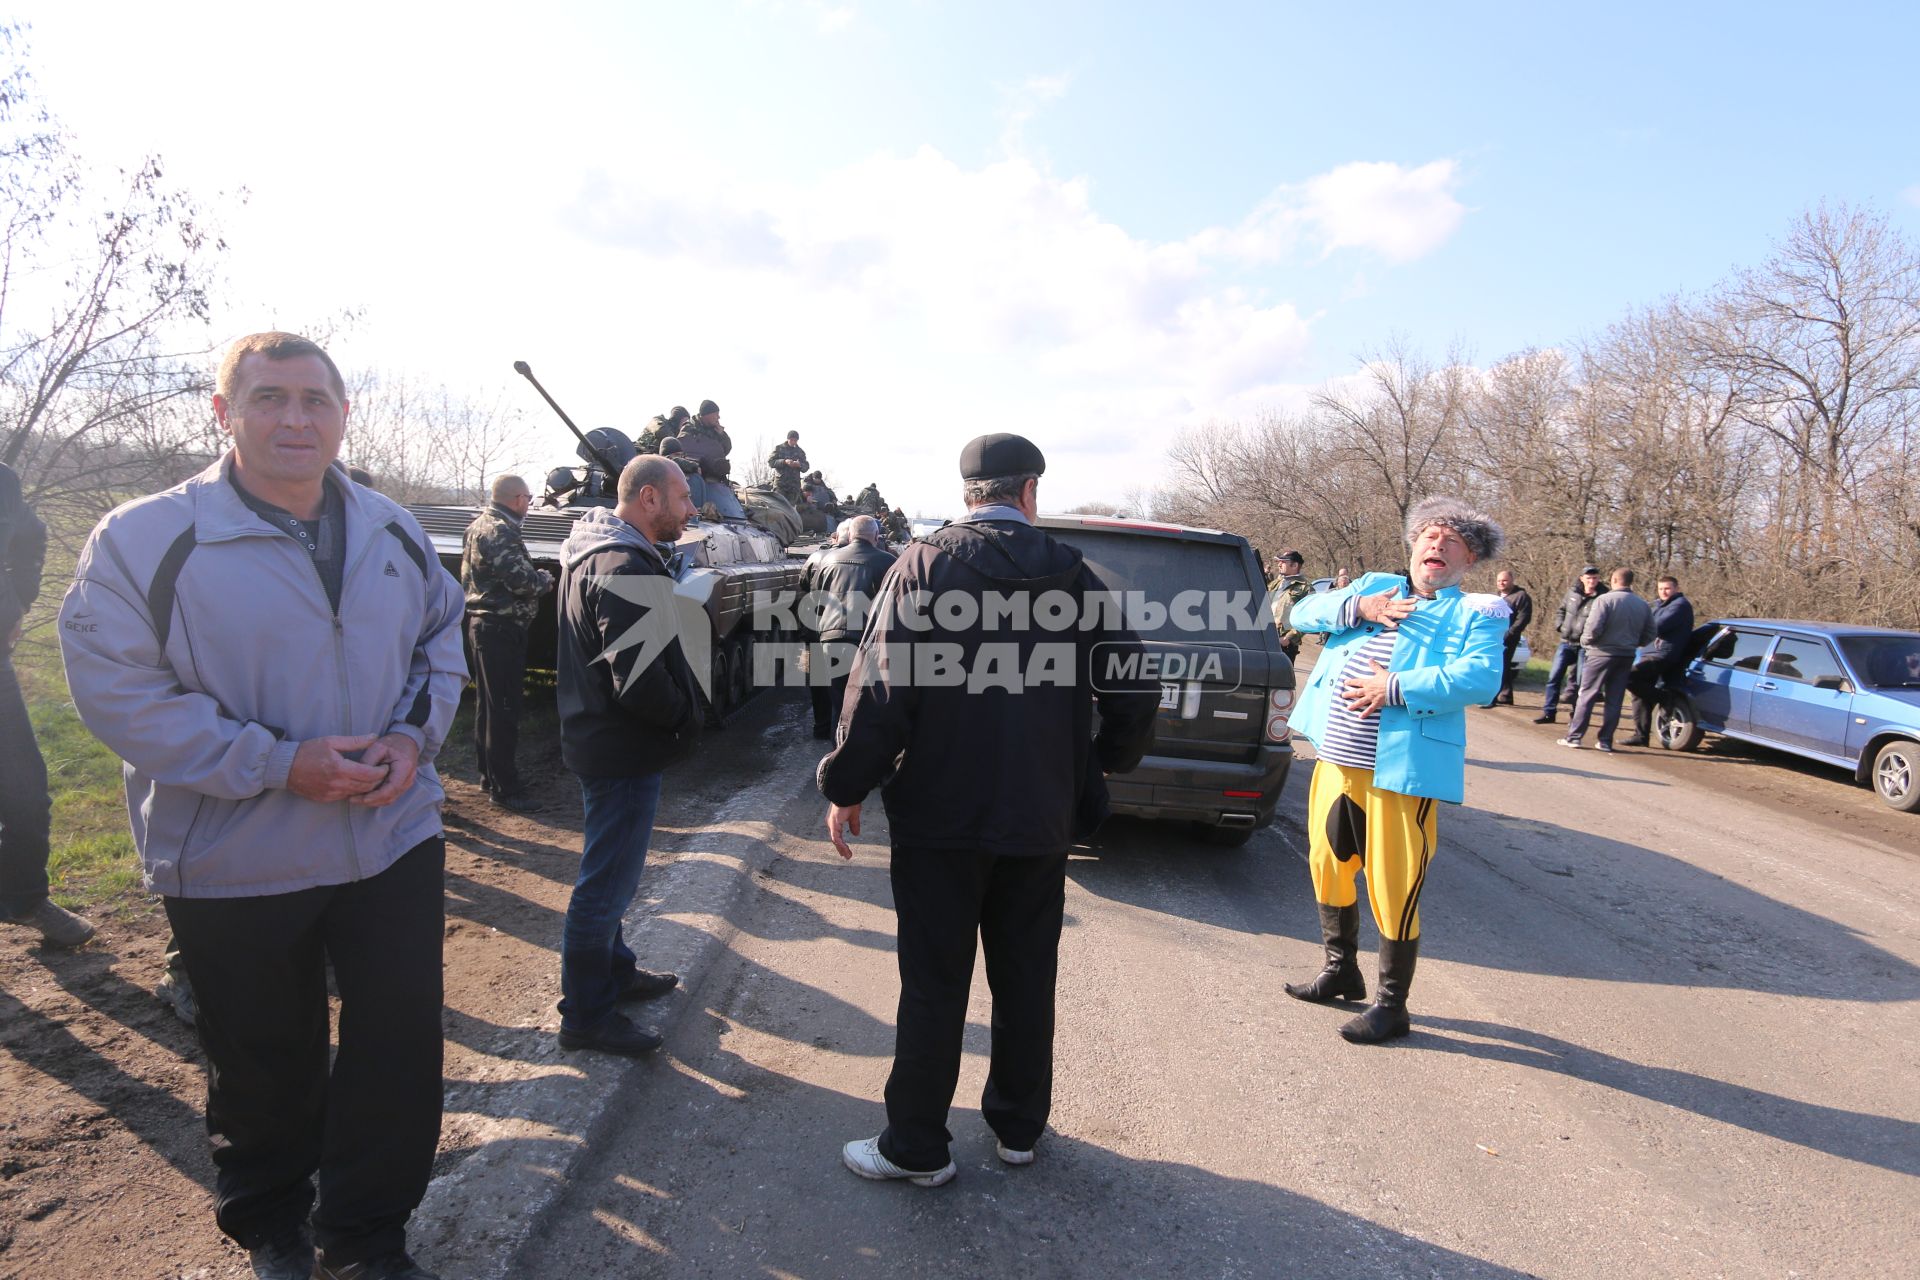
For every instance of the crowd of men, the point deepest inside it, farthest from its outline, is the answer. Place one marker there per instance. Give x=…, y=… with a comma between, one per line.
x=280, y=748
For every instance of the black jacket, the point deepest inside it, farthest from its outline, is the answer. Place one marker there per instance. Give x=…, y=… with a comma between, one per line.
x=628, y=702
x=23, y=549
x=988, y=769
x=1571, y=619
x=848, y=580
x=1520, y=601
x=1672, y=628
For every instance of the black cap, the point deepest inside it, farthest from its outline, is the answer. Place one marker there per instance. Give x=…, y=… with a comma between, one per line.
x=1294, y=556
x=793, y=435
x=1001, y=454
x=1592, y=568
x=708, y=406
x=678, y=414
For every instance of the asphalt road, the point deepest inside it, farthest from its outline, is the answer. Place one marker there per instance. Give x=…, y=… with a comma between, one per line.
x=1664, y=1024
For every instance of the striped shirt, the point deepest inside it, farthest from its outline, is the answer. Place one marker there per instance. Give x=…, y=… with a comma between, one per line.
x=1351, y=739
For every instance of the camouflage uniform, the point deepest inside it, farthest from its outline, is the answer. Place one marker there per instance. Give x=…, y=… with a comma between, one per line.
x=498, y=575
x=869, y=503
x=503, y=589
x=787, y=478
x=1286, y=593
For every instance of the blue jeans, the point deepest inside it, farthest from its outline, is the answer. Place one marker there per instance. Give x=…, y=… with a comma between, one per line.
x=595, y=961
x=1565, y=671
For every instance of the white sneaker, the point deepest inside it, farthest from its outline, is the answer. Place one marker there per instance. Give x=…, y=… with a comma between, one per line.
x=864, y=1158
x=1569, y=742
x=1010, y=1156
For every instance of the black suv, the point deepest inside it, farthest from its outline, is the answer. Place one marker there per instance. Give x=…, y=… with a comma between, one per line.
x=1220, y=746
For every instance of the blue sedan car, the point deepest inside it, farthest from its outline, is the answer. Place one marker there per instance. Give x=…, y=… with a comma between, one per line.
x=1848, y=696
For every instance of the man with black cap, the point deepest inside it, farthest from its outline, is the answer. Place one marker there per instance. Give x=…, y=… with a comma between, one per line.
x=707, y=441
x=1289, y=589
x=789, y=463
x=662, y=427
x=988, y=779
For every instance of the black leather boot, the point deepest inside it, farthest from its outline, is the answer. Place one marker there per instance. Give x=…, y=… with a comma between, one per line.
x=1386, y=1018
x=1340, y=980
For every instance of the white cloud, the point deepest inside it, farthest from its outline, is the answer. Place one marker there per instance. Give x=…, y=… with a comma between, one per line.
x=1377, y=206
x=900, y=304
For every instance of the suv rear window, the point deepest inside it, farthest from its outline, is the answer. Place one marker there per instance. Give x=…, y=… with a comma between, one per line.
x=1230, y=606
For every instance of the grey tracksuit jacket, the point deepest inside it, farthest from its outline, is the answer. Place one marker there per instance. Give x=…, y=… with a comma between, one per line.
x=201, y=647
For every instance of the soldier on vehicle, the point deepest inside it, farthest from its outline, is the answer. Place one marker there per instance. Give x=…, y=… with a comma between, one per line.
x=789, y=463
x=898, y=527
x=820, y=497
x=503, y=589
x=707, y=441
x=869, y=503
x=662, y=427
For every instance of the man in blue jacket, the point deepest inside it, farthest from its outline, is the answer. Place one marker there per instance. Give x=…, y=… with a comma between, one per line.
x=1385, y=709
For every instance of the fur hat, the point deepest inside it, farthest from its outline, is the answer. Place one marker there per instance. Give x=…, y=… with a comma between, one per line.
x=1479, y=531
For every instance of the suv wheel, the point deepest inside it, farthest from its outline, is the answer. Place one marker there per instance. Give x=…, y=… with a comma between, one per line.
x=1675, y=724
x=1896, y=775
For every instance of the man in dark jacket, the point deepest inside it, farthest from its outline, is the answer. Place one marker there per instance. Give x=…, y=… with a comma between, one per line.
x=628, y=708
x=847, y=581
x=503, y=587
x=1520, y=601
x=978, y=721
x=1618, y=623
x=1659, y=661
x=1568, y=623
x=26, y=808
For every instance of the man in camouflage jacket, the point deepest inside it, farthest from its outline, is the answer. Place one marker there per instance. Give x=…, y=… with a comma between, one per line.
x=789, y=463
x=503, y=588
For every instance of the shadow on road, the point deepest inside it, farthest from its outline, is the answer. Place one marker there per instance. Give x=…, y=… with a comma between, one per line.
x=1882, y=1141
x=770, y=1197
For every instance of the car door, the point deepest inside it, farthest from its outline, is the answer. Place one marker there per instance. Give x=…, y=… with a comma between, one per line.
x=1721, y=679
x=1801, y=698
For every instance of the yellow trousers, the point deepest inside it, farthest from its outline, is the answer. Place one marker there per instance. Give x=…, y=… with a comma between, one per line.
x=1354, y=826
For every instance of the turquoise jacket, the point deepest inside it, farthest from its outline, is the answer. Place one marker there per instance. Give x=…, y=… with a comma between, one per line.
x=1448, y=659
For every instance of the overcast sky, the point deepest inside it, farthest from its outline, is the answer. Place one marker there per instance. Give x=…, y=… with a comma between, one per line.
x=892, y=227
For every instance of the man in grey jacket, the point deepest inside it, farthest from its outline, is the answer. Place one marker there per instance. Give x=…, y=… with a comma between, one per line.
x=275, y=653
x=1618, y=623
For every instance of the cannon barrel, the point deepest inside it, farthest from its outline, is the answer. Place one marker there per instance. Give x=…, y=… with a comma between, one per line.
x=525, y=370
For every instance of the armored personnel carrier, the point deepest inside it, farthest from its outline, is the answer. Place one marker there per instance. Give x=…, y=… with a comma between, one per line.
x=736, y=547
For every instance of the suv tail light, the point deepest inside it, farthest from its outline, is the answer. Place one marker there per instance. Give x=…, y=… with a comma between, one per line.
x=1279, y=703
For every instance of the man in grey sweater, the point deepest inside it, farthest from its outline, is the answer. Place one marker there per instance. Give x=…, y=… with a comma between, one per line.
x=1618, y=624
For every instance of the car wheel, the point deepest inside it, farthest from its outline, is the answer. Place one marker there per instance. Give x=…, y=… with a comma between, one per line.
x=1896, y=775
x=1223, y=837
x=1676, y=725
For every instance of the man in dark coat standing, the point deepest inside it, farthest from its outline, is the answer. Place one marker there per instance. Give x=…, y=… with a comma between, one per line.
x=26, y=806
x=1659, y=661
x=628, y=709
x=847, y=580
x=988, y=779
x=1520, y=601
